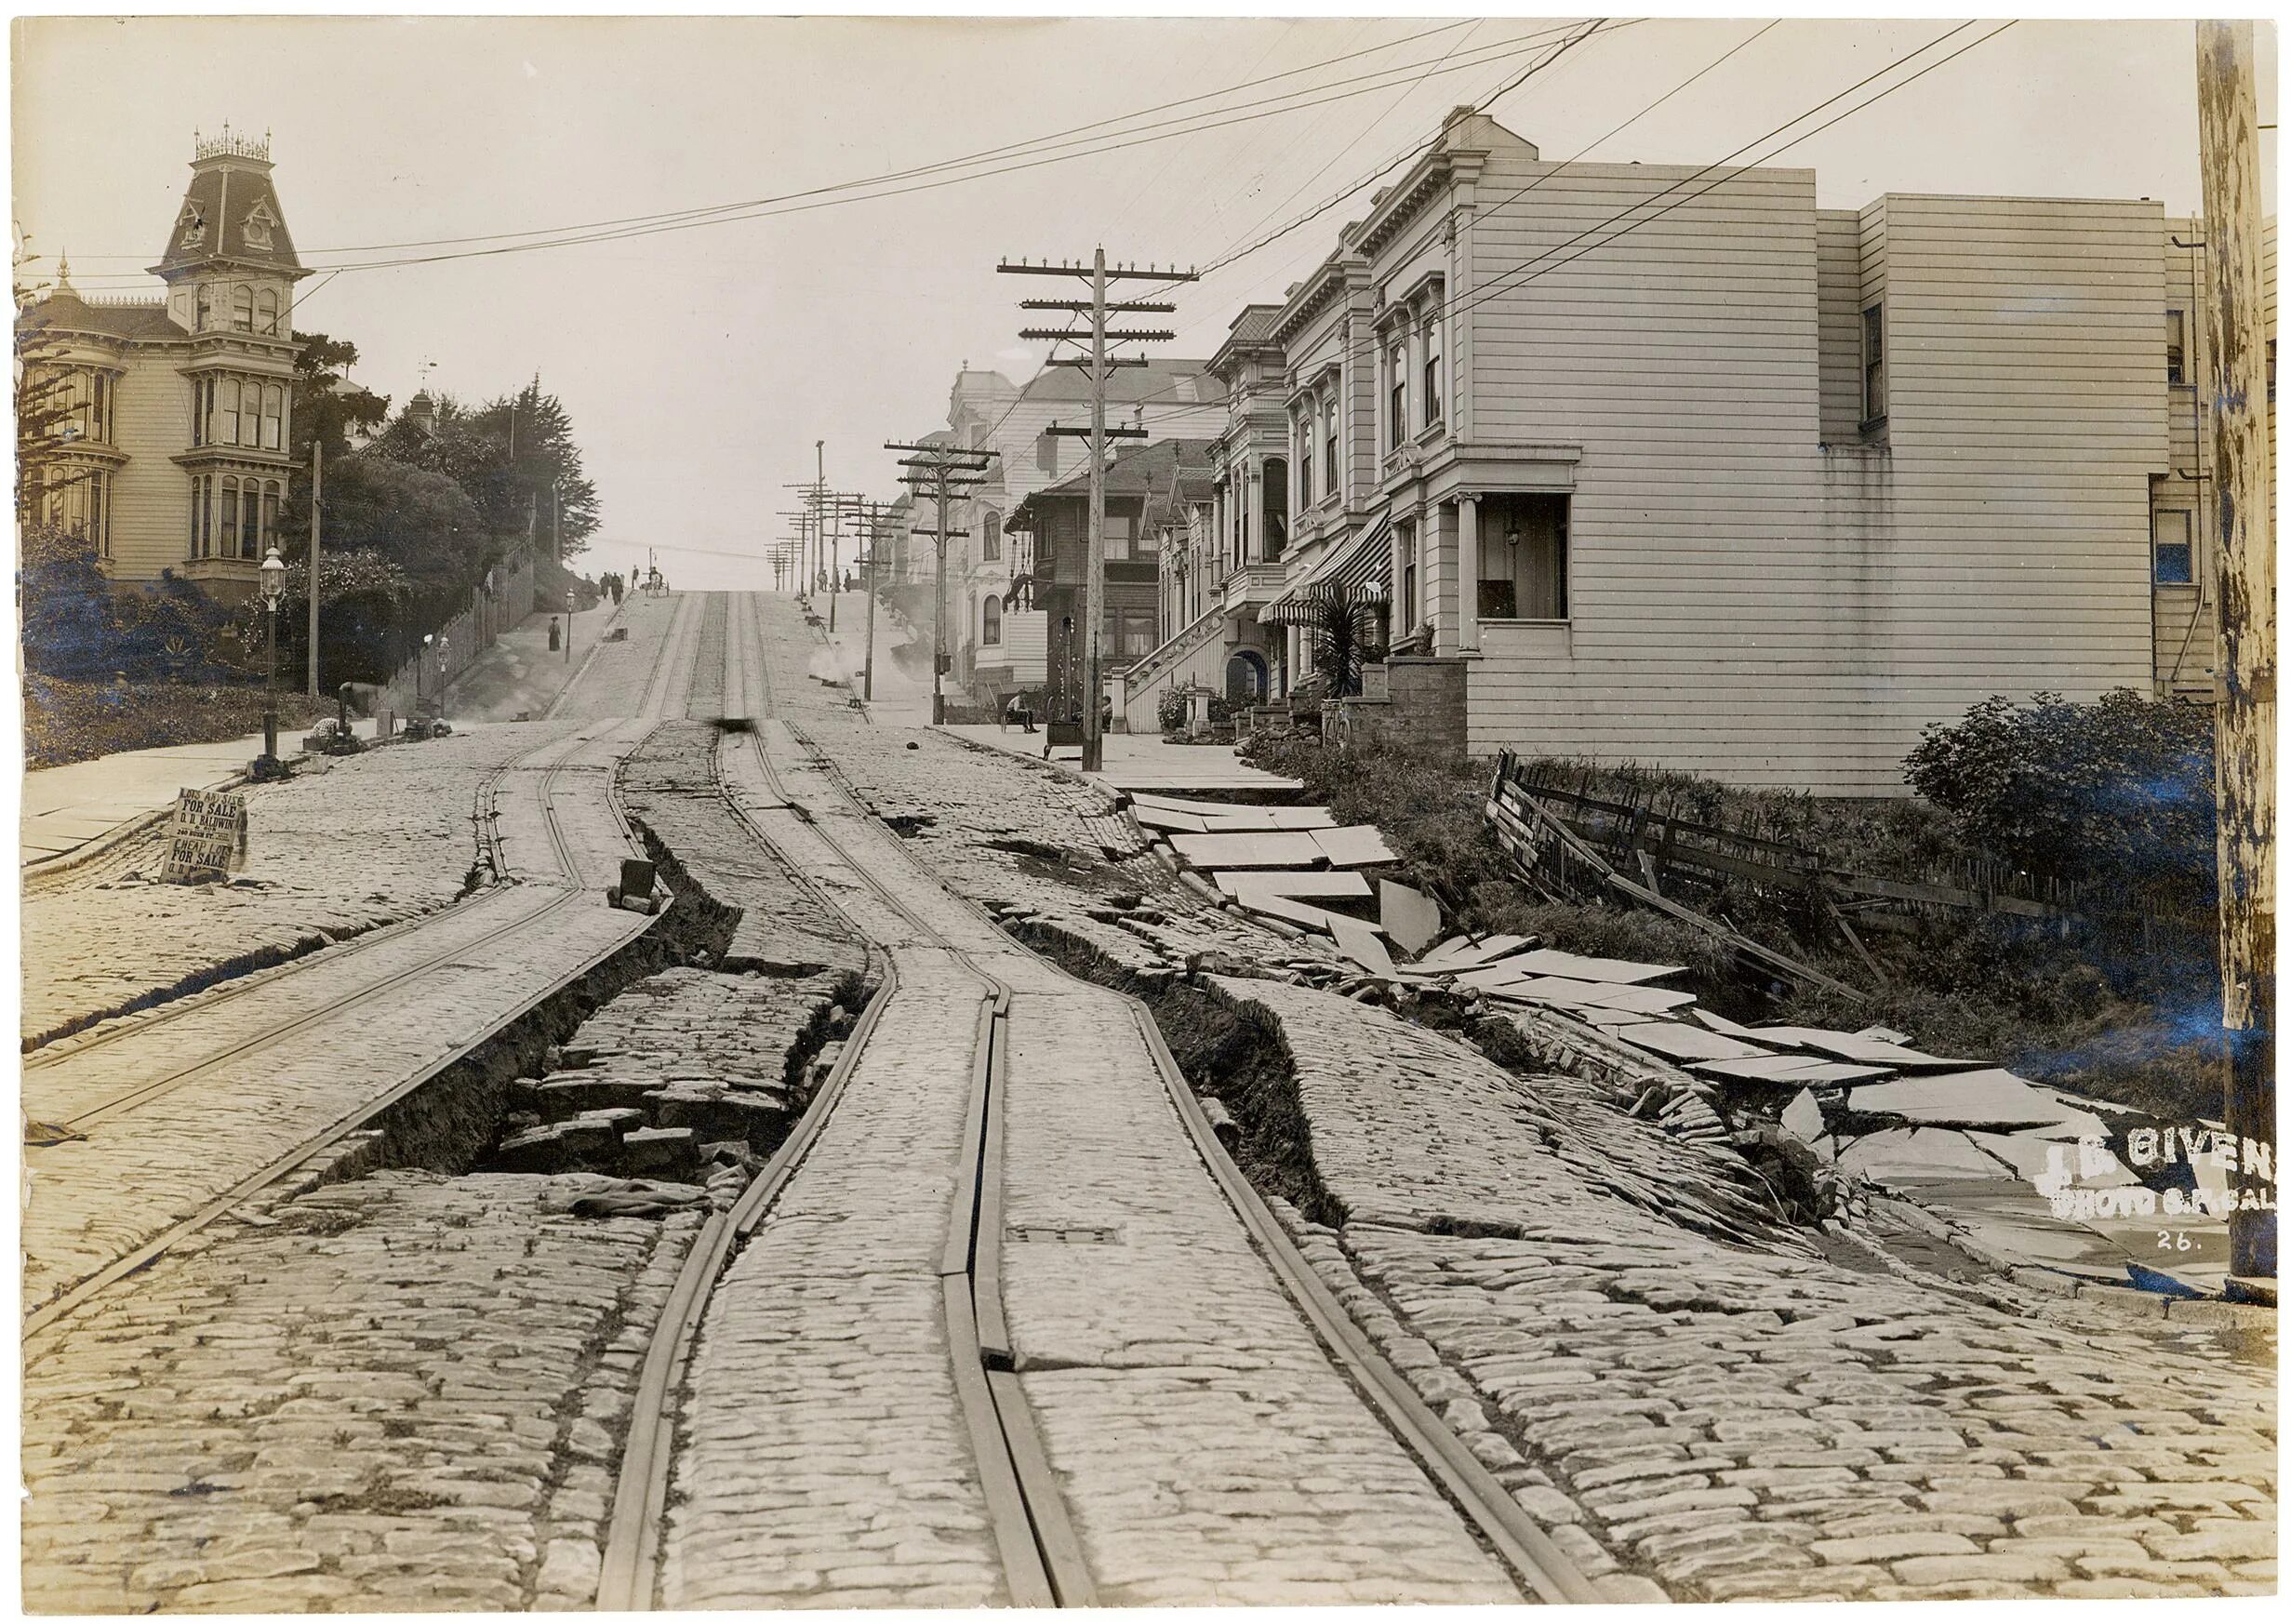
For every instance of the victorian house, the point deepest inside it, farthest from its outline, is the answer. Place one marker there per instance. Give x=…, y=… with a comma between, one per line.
x=1670, y=465
x=178, y=460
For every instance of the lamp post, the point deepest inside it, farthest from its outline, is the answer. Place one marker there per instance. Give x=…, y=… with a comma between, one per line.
x=273, y=576
x=421, y=666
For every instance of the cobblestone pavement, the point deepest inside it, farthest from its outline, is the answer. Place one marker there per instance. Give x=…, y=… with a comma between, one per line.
x=326, y=1040
x=363, y=841
x=398, y=1394
x=1206, y=1449
x=1759, y=1423
x=1694, y=1399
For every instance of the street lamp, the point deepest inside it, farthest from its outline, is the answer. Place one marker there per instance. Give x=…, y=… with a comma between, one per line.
x=274, y=574
x=422, y=665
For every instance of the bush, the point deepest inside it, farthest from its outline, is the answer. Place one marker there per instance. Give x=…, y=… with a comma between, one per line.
x=1170, y=710
x=2116, y=792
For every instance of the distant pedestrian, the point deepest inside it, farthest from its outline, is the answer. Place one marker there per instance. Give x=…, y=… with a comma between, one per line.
x=1019, y=711
x=555, y=635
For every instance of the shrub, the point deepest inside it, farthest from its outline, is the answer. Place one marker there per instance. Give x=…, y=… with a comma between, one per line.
x=2116, y=792
x=1170, y=710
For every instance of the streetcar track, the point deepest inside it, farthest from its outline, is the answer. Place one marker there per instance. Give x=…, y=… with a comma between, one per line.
x=68, y=1298
x=134, y=1023
x=279, y=1031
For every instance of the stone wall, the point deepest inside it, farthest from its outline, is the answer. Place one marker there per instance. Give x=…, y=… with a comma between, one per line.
x=1425, y=706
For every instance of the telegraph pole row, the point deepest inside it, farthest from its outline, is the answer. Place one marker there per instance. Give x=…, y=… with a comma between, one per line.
x=2227, y=118
x=941, y=472
x=1100, y=365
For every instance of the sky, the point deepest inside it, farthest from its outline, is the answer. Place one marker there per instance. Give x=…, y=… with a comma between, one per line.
x=701, y=366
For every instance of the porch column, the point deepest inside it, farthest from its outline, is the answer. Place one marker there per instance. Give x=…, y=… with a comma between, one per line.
x=1468, y=575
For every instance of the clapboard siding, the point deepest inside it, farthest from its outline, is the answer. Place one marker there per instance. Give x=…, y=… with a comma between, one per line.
x=1837, y=235
x=150, y=496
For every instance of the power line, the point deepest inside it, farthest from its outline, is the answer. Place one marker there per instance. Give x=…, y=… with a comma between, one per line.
x=817, y=198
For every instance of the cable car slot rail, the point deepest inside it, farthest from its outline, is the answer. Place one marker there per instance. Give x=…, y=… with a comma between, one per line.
x=290, y=1160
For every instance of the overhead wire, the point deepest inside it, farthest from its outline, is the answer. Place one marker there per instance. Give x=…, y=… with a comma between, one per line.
x=846, y=194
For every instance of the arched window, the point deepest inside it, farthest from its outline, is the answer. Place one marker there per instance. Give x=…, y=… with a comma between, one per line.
x=207, y=309
x=198, y=516
x=266, y=310
x=227, y=412
x=991, y=627
x=243, y=309
x=991, y=536
x=273, y=406
x=250, y=520
x=269, y=535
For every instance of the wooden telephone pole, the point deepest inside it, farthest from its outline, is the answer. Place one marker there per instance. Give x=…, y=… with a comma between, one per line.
x=1100, y=365
x=2242, y=532
x=318, y=458
x=943, y=473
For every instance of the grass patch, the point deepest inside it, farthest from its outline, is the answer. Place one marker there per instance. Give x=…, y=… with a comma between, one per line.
x=68, y=722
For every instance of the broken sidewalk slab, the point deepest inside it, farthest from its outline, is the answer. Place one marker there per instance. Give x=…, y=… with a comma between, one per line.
x=1897, y=1155
x=1461, y=953
x=1803, y=1116
x=1733, y=1029
x=1292, y=883
x=2041, y=1161
x=1176, y=823
x=1988, y=1098
x=1806, y=1068
x=1248, y=851
x=1358, y=940
x=1575, y=968
x=1857, y=1047
x=1409, y=916
x=1275, y=906
x=1677, y=1041
x=1355, y=847
x=1569, y=993
x=1233, y=818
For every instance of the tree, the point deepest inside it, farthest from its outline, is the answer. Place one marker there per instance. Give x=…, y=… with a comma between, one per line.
x=327, y=404
x=64, y=604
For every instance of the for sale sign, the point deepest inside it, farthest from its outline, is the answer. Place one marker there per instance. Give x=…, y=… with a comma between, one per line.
x=209, y=838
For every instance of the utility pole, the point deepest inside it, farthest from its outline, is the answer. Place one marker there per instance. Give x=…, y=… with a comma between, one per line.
x=1098, y=365
x=2243, y=530
x=318, y=457
x=944, y=472
x=875, y=552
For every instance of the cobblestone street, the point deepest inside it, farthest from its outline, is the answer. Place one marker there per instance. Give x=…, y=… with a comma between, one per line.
x=290, y=1353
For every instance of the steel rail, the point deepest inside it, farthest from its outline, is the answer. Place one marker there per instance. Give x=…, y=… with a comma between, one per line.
x=114, y=1028
x=1034, y=1539
x=278, y=1031
x=309, y=1145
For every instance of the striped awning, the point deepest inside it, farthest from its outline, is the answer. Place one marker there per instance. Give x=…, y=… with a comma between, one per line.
x=1362, y=566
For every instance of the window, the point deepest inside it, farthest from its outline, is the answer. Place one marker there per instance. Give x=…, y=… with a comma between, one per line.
x=250, y=520
x=2175, y=346
x=1524, y=558
x=198, y=507
x=271, y=493
x=226, y=423
x=207, y=308
x=990, y=621
x=1276, y=509
x=1397, y=403
x=991, y=536
x=2175, y=548
x=1121, y=530
x=1404, y=543
x=1873, y=363
x=243, y=309
x=1131, y=633
x=274, y=416
x=1304, y=460
x=1046, y=452
x=266, y=310
x=1432, y=370
x=1328, y=443
x=99, y=512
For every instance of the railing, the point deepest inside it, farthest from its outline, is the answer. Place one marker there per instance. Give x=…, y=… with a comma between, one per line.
x=475, y=628
x=1259, y=582
x=1143, y=673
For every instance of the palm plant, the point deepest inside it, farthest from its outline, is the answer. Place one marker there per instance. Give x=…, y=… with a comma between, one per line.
x=1344, y=629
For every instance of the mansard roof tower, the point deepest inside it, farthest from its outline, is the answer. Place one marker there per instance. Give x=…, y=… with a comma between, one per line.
x=229, y=241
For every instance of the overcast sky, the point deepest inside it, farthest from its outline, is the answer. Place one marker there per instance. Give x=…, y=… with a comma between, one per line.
x=699, y=365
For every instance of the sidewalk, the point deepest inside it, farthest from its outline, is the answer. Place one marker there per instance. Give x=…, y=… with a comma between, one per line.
x=519, y=675
x=66, y=807
x=1147, y=761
